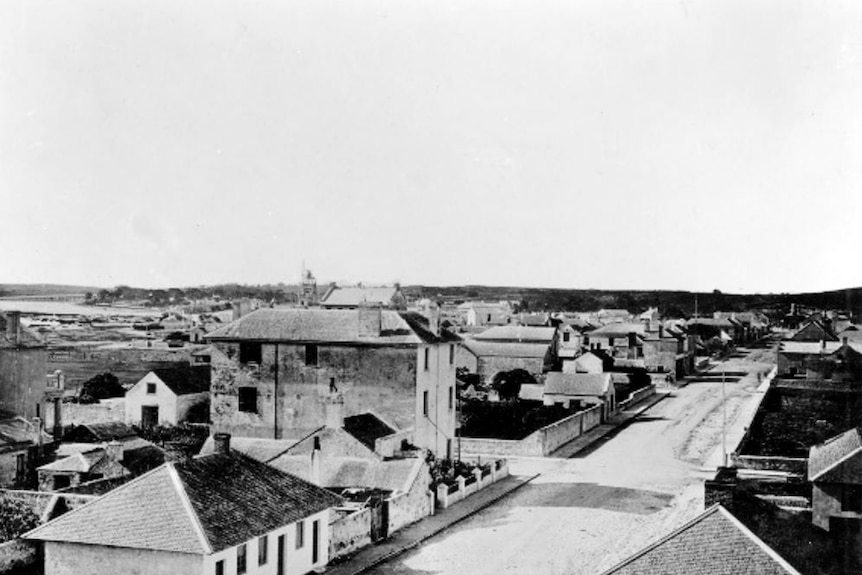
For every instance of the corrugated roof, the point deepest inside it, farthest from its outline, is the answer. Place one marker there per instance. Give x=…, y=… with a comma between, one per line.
x=199, y=506
x=714, y=543
x=558, y=383
x=329, y=326
x=838, y=460
x=518, y=333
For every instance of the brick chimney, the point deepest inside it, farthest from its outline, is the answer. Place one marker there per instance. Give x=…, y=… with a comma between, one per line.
x=335, y=411
x=315, y=462
x=370, y=318
x=221, y=443
x=13, y=326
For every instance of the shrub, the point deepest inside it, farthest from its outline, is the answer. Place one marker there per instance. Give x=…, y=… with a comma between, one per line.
x=16, y=518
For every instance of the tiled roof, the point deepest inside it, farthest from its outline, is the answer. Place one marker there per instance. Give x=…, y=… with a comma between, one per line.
x=185, y=380
x=714, y=543
x=367, y=428
x=500, y=349
x=354, y=296
x=558, y=383
x=26, y=337
x=838, y=460
x=328, y=326
x=199, y=506
x=79, y=462
x=518, y=333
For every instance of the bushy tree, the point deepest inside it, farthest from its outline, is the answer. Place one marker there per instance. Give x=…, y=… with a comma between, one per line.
x=16, y=518
x=507, y=384
x=102, y=386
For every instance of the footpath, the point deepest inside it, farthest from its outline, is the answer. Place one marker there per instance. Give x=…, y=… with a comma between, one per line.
x=413, y=535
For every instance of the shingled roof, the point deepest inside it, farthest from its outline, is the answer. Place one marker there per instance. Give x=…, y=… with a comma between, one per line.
x=838, y=460
x=713, y=543
x=329, y=326
x=200, y=506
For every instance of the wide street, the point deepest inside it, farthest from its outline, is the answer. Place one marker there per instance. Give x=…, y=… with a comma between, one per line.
x=583, y=515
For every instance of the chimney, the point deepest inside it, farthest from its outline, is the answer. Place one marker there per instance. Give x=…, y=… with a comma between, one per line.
x=633, y=343
x=114, y=451
x=660, y=330
x=315, y=463
x=335, y=411
x=432, y=312
x=58, y=418
x=221, y=443
x=13, y=323
x=370, y=318
x=822, y=345
x=844, y=340
x=175, y=451
x=37, y=431
x=647, y=326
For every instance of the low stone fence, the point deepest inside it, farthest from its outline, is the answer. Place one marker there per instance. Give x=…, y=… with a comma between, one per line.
x=794, y=465
x=636, y=397
x=541, y=442
x=349, y=532
x=448, y=495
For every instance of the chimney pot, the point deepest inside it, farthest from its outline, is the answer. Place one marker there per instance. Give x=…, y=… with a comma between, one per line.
x=222, y=443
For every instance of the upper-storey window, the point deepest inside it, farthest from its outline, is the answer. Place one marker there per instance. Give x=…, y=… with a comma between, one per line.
x=250, y=352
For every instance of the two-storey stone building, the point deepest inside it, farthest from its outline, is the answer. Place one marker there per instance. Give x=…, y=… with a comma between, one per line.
x=274, y=370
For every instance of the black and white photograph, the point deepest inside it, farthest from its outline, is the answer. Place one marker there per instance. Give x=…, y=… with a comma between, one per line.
x=430, y=287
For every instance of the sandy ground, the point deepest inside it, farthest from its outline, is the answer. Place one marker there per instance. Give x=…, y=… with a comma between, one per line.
x=584, y=515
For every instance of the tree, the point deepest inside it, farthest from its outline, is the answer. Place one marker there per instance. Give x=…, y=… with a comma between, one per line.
x=16, y=518
x=507, y=384
x=102, y=386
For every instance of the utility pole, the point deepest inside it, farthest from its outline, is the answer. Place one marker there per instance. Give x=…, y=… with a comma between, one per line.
x=723, y=419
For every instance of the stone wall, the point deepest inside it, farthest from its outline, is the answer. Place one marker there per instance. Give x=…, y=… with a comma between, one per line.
x=22, y=380
x=349, y=532
x=636, y=397
x=447, y=496
x=488, y=366
x=78, y=413
x=412, y=505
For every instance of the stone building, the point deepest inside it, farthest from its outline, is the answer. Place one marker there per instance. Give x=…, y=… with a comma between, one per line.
x=23, y=366
x=273, y=372
x=835, y=473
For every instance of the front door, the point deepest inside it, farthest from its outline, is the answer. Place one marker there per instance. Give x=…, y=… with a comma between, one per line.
x=149, y=415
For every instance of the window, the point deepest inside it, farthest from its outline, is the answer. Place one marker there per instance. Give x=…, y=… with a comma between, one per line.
x=151, y=389
x=425, y=403
x=61, y=482
x=220, y=567
x=449, y=449
x=20, y=467
x=241, y=564
x=451, y=398
x=426, y=355
x=248, y=399
x=610, y=342
x=566, y=336
x=586, y=340
x=315, y=542
x=300, y=534
x=311, y=355
x=451, y=354
x=250, y=352
x=851, y=498
x=262, y=549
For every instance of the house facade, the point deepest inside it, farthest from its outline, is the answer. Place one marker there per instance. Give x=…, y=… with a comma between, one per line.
x=274, y=371
x=835, y=473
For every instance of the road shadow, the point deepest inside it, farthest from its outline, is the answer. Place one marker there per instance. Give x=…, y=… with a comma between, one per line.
x=594, y=496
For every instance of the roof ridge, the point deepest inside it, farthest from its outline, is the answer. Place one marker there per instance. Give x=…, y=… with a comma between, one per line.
x=709, y=512
x=188, y=507
x=836, y=463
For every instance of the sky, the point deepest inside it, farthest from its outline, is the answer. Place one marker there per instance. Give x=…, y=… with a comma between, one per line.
x=616, y=144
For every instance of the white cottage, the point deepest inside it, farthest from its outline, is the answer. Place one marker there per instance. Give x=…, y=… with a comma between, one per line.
x=169, y=396
x=220, y=514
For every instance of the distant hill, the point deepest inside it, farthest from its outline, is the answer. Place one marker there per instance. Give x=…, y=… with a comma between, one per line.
x=7, y=290
x=669, y=303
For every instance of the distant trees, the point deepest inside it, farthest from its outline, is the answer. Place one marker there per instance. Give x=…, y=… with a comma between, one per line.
x=102, y=386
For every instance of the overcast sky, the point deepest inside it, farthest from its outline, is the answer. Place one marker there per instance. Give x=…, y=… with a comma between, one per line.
x=704, y=144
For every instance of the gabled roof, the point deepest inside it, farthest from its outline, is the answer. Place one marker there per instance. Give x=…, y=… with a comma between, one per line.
x=355, y=296
x=185, y=380
x=559, y=383
x=814, y=331
x=329, y=326
x=620, y=330
x=81, y=462
x=518, y=333
x=713, y=543
x=505, y=349
x=837, y=460
x=199, y=506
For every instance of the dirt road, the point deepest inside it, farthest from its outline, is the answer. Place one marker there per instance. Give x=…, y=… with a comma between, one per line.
x=583, y=515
